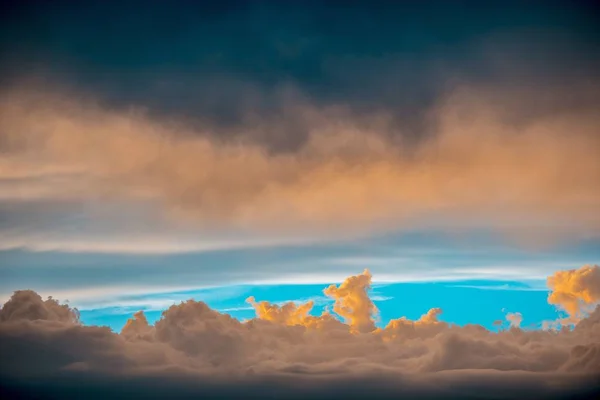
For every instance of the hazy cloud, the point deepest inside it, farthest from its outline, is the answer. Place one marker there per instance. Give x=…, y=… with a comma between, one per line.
x=348, y=178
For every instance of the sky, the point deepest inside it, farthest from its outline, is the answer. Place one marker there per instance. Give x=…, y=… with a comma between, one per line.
x=442, y=154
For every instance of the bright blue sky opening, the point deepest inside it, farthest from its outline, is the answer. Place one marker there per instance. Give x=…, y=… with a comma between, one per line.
x=464, y=302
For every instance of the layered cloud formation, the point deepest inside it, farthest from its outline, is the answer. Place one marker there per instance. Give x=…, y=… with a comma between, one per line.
x=40, y=339
x=483, y=166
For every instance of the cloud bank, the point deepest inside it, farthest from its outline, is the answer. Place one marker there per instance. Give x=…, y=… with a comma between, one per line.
x=42, y=340
x=481, y=168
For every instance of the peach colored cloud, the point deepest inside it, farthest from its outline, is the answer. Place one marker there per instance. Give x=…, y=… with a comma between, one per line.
x=514, y=319
x=577, y=291
x=478, y=170
x=351, y=302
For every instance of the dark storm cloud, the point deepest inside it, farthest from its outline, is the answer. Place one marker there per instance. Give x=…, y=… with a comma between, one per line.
x=222, y=63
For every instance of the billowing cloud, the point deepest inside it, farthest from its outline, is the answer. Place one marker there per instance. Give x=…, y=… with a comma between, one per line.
x=426, y=326
x=28, y=305
x=40, y=338
x=291, y=314
x=352, y=302
x=576, y=291
x=287, y=314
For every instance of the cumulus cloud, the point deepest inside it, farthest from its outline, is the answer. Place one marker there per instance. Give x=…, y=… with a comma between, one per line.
x=28, y=305
x=287, y=314
x=426, y=326
x=353, y=303
x=514, y=319
x=478, y=169
x=291, y=314
x=41, y=338
x=576, y=291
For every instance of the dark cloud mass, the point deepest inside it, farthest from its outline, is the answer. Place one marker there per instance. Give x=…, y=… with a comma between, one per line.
x=225, y=63
x=287, y=353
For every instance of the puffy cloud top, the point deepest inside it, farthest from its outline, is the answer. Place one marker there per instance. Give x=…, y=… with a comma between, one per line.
x=576, y=290
x=27, y=305
x=44, y=337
